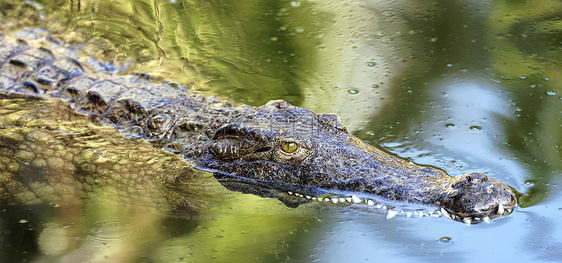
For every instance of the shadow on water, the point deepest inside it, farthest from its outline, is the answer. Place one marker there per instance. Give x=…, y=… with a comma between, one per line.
x=463, y=86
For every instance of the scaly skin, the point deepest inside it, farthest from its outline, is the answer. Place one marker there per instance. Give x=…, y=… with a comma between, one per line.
x=50, y=154
x=264, y=150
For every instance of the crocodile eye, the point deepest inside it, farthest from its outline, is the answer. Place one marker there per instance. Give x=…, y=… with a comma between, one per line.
x=291, y=151
x=289, y=147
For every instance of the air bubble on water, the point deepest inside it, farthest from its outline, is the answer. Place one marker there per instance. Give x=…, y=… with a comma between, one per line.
x=475, y=128
x=551, y=92
x=352, y=91
x=371, y=64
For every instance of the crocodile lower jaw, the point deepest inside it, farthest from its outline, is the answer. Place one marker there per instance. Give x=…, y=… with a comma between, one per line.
x=392, y=210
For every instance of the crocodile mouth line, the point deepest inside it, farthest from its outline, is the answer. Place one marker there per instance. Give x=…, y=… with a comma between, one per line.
x=392, y=208
x=393, y=211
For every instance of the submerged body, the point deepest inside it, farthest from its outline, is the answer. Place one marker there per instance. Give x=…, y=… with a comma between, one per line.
x=50, y=154
x=268, y=151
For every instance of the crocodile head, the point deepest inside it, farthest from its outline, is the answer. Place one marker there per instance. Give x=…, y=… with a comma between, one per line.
x=284, y=149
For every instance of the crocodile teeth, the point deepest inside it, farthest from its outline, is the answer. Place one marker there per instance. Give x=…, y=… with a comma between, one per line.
x=500, y=209
x=444, y=212
x=486, y=219
x=391, y=214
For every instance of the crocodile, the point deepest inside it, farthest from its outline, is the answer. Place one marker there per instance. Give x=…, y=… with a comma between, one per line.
x=275, y=150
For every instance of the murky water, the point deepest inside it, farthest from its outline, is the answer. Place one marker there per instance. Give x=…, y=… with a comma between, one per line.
x=460, y=85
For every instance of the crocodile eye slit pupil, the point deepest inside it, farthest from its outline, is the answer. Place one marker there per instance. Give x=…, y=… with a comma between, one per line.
x=289, y=147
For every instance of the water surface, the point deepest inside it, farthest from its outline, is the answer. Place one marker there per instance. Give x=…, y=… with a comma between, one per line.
x=460, y=85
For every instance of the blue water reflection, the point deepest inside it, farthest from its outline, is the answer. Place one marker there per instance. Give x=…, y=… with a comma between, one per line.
x=467, y=118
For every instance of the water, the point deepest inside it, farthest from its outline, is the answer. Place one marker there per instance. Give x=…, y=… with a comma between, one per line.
x=464, y=86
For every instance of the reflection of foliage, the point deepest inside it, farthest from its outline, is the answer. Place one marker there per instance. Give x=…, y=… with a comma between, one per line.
x=252, y=230
x=526, y=51
x=249, y=51
x=526, y=38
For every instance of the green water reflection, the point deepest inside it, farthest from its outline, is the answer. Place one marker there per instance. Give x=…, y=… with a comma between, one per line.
x=461, y=85
x=248, y=51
